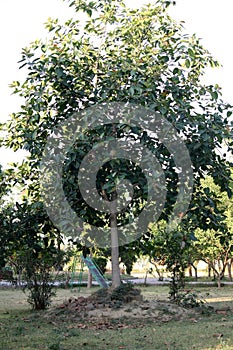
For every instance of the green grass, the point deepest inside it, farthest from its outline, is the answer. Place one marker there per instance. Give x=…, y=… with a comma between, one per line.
x=23, y=329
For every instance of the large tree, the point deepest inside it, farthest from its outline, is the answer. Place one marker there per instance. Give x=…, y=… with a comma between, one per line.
x=118, y=54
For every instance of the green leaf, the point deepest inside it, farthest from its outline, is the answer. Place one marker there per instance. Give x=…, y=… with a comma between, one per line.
x=187, y=63
x=191, y=53
x=214, y=95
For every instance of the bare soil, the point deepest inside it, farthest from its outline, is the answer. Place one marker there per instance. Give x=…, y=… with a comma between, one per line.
x=121, y=309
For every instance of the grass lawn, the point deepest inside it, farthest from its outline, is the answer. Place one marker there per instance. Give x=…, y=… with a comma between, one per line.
x=24, y=329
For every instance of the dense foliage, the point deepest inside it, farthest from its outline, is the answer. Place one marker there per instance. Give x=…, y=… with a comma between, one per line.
x=118, y=54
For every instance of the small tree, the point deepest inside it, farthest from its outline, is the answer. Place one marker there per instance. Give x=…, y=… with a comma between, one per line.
x=216, y=248
x=214, y=234
x=170, y=249
x=37, y=273
x=31, y=245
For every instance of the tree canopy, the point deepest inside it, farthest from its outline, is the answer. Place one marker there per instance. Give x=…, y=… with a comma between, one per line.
x=134, y=56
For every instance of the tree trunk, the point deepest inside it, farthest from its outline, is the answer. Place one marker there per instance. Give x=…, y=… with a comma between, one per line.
x=145, y=279
x=195, y=269
x=116, y=278
x=190, y=270
x=219, y=281
x=229, y=264
x=156, y=268
x=209, y=270
x=19, y=279
x=221, y=269
x=89, y=280
x=89, y=276
x=217, y=274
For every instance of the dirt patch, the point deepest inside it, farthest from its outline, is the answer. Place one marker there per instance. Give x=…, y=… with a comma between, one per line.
x=121, y=308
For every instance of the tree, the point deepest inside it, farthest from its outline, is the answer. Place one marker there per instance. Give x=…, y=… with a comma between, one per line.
x=215, y=242
x=32, y=249
x=215, y=249
x=170, y=249
x=130, y=56
x=4, y=190
x=205, y=235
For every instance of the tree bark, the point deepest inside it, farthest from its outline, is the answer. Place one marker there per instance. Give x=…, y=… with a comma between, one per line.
x=195, y=269
x=190, y=270
x=89, y=277
x=229, y=264
x=156, y=268
x=89, y=280
x=219, y=282
x=116, y=278
x=209, y=270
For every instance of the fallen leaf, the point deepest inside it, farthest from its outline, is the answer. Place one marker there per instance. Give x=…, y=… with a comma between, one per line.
x=218, y=335
x=221, y=312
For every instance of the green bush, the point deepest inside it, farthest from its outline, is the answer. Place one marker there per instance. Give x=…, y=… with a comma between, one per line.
x=38, y=273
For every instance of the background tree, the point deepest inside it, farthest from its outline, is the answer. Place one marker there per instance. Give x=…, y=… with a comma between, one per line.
x=4, y=190
x=215, y=249
x=31, y=247
x=215, y=239
x=127, y=55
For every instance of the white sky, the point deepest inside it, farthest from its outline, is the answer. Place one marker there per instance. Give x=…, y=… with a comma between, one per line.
x=21, y=21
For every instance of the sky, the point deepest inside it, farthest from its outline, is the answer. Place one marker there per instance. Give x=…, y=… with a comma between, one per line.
x=22, y=21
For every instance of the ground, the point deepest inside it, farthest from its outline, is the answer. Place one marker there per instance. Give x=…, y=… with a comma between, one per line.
x=151, y=324
x=125, y=303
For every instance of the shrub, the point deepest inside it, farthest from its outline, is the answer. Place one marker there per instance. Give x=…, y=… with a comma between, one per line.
x=39, y=267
